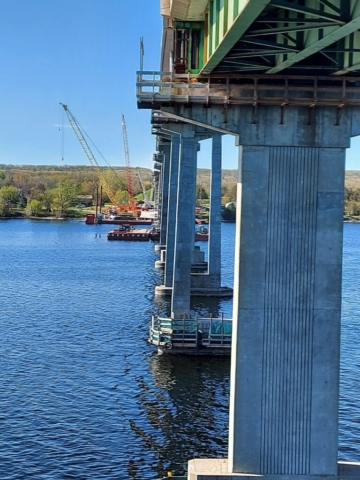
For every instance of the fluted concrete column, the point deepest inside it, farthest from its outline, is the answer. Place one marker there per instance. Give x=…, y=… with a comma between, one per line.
x=284, y=388
x=185, y=218
x=214, y=248
x=287, y=299
x=171, y=210
x=165, y=174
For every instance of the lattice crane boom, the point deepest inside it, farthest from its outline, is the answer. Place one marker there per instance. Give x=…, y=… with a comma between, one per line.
x=141, y=183
x=89, y=153
x=129, y=179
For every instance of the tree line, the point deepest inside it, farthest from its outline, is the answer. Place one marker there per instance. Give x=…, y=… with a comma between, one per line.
x=56, y=190
x=45, y=190
x=352, y=201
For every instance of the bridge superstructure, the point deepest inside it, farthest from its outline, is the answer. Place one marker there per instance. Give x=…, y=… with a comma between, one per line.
x=282, y=77
x=264, y=36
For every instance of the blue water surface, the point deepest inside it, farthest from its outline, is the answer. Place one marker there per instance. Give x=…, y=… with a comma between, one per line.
x=83, y=396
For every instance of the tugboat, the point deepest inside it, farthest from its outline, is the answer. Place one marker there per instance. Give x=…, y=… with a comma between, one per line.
x=202, y=233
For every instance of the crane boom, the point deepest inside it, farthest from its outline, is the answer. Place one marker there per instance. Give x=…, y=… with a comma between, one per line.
x=142, y=184
x=129, y=180
x=89, y=153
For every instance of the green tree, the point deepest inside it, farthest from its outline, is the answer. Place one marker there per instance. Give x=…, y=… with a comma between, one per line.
x=228, y=214
x=47, y=198
x=9, y=199
x=63, y=197
x=201, y=193
x=34, y=208
x=122, y=197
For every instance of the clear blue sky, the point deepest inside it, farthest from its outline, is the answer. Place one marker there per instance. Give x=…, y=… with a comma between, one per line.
x=83, y=53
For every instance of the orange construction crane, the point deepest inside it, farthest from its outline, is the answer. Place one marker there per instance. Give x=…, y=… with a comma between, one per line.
x=129, y=180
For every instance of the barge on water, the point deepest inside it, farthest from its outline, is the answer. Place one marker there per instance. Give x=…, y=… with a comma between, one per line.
x=91, y=219
x=130, y=233
x=195, y=336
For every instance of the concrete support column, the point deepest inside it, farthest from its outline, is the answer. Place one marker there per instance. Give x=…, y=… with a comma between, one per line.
x=165, y=172
x=287, y=300
x=157, y=187
x=171, y=210
x=214, y=248
x=185, y=219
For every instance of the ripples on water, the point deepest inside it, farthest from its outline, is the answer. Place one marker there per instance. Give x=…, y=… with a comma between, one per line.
x=83, y=396
x=82, y=393
x=350, y=356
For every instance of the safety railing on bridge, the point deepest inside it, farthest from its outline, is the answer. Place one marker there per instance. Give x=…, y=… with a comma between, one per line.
x=156, y=88
x=190, y=333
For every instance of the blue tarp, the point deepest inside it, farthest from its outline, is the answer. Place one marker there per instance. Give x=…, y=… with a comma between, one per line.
x=219, y=327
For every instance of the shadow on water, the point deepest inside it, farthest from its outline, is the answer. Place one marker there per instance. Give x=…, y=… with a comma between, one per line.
x=201, y=306
x=186, y=409
x=215, y=307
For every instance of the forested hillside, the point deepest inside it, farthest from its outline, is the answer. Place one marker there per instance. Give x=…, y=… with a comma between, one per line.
x=55, y=188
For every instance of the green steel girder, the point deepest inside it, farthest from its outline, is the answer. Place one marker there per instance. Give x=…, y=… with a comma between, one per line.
x=248, y=14
x=265, y=43
x=295, y=28
x=258, y=53
x=295, y=7
x=290, y=37
x=331, y=6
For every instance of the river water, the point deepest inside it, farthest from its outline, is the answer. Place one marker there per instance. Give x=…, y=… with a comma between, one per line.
x=82, y=394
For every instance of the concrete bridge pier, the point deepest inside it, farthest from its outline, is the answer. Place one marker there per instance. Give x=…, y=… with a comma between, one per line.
x=209, y=283
x=168, y=219
x=164, y=148
x=284, y=397
x=171, y=210
x=205, y=277
x=185, y=218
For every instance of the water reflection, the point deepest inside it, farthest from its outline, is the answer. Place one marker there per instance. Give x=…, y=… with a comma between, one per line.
x=201, y=306
x=186, y=408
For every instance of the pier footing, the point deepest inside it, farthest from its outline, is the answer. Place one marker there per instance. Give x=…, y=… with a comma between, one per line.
x=159, y=248
x=217, y=469
x=200, y=267
x=221, y=292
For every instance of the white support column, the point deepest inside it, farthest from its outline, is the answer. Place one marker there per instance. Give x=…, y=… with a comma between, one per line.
x=165, y=172
x=287, y=301
x=214, y=249
x=171, y=219
x=185, y=220
x=284, y=388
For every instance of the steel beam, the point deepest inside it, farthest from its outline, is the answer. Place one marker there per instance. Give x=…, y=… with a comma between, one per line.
x=331, y=35
x=250, y=11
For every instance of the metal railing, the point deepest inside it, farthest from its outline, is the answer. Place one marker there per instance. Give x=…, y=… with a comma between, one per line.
x=157, y=88
x=190, y=332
